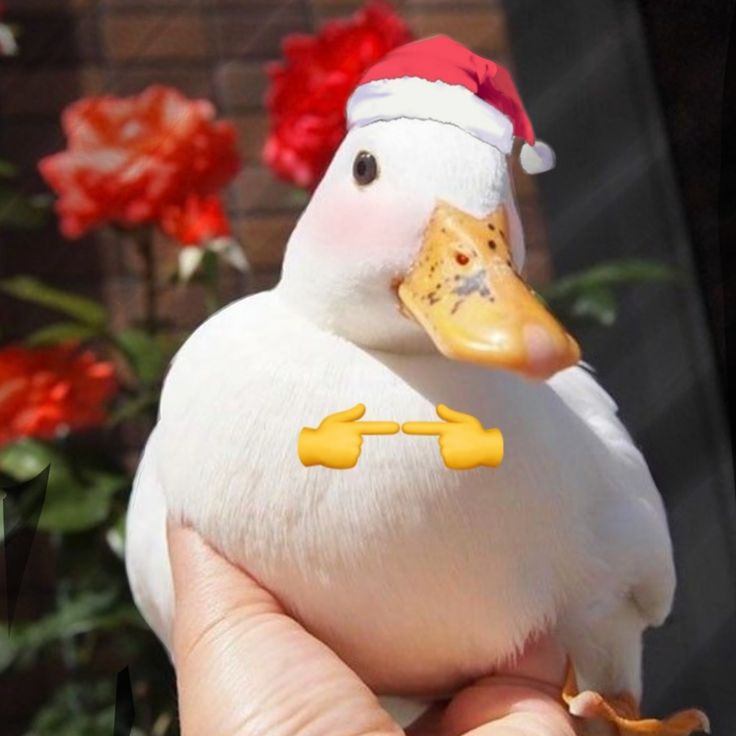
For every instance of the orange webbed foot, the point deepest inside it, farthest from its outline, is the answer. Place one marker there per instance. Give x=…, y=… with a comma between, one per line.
x=622, y=711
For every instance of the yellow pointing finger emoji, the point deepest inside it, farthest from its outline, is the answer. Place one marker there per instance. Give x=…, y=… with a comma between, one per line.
x=464, y=443
x=337, y=442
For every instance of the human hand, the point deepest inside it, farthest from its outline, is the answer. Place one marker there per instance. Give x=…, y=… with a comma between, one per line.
x=245, y=668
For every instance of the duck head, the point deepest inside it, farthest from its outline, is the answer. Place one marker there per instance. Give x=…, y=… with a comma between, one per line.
x=412, y=242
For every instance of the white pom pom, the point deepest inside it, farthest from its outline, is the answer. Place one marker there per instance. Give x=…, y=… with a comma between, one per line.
x=538, y=158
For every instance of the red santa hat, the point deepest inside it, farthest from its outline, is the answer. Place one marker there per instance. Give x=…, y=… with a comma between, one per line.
x=439, y=79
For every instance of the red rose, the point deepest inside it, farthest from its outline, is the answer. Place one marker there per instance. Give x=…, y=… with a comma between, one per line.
x=45, y=392
x=127, y=159
x=196, y=221
x=310, y=88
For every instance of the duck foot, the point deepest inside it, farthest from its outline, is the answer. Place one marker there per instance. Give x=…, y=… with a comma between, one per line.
x=622, y=711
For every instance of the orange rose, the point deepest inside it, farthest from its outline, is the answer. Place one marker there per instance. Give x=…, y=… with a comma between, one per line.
x=45, y=392
x=129, y=159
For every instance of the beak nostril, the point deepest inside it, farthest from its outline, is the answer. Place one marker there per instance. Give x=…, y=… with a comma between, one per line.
x=463, y=290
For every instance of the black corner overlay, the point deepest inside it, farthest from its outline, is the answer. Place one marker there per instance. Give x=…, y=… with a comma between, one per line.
x=16, y=548
x=124, y=707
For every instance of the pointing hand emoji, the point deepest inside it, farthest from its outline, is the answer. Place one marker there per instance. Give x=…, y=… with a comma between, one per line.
x=337, y=442
x=464, y=443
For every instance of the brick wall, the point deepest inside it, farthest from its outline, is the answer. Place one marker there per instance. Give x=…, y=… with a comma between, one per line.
x=208, y=48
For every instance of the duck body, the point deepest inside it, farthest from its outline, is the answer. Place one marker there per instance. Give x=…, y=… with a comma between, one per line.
x=401, y=289
x=418, y=576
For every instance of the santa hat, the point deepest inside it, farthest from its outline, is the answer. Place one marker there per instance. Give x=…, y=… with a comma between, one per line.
x=439, y=79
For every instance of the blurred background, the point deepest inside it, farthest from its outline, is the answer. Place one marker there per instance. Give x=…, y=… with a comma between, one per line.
x=97, y=293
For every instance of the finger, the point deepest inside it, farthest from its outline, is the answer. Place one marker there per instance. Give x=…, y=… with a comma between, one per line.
x=494, y=454
x=498, y=710
x=349, y=415
x=528, y=715
x=434, y=428
x=452, y=415
x=521, y=698
x=429, y=723
x=243, y=666
x=377, y=427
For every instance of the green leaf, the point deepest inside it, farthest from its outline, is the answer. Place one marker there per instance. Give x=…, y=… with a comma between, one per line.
x=82, y=708
x=610, y=273
x=29, y=289
x=132, y=407
x=8, y=650
x=77, y=497
x=10, y=519
x=89, y=611
x=7, y=170
x=298, y=197
x=77, y=709
x=597, y=304
x=22, y=213
x=145, y=354
x=58, y=718
x=76, y=616
x=62, y=332
x=591, y=295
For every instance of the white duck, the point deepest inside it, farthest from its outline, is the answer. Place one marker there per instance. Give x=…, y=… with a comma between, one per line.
x=418, y=576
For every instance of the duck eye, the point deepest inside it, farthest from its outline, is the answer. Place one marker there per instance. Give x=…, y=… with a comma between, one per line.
x=365, y=168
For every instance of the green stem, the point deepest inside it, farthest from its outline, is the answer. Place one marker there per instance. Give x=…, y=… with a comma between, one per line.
x=144, y=242
x=211, y=282
x=67, y=644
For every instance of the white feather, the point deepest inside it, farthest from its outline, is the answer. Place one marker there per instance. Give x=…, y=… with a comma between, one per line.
x=419, y=577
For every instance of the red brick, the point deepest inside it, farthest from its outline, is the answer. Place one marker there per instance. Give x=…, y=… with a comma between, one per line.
x=539, y=267
x=482, y=30
x=263, y=279
x=256, y=188
x=135, y=5
x=258, y=34
x=325, y=9
x=524, y=184
x=252, y=132
x=141, y=36
x=184, y=306
x=125, y=300
x=459, y=6
x=23, y=691
x=241, y=85
x=264, y=238
x=40, y=90
x=132, y=80
x=77, y=6
x=329, y=9
x=53, y=38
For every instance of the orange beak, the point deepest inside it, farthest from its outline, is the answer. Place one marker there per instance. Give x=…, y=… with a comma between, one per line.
x=464, y=291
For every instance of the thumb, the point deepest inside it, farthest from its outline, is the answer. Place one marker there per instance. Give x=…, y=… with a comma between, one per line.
x=208, y=589
x=453, y=415
x=347, y=415
x=245, y=667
